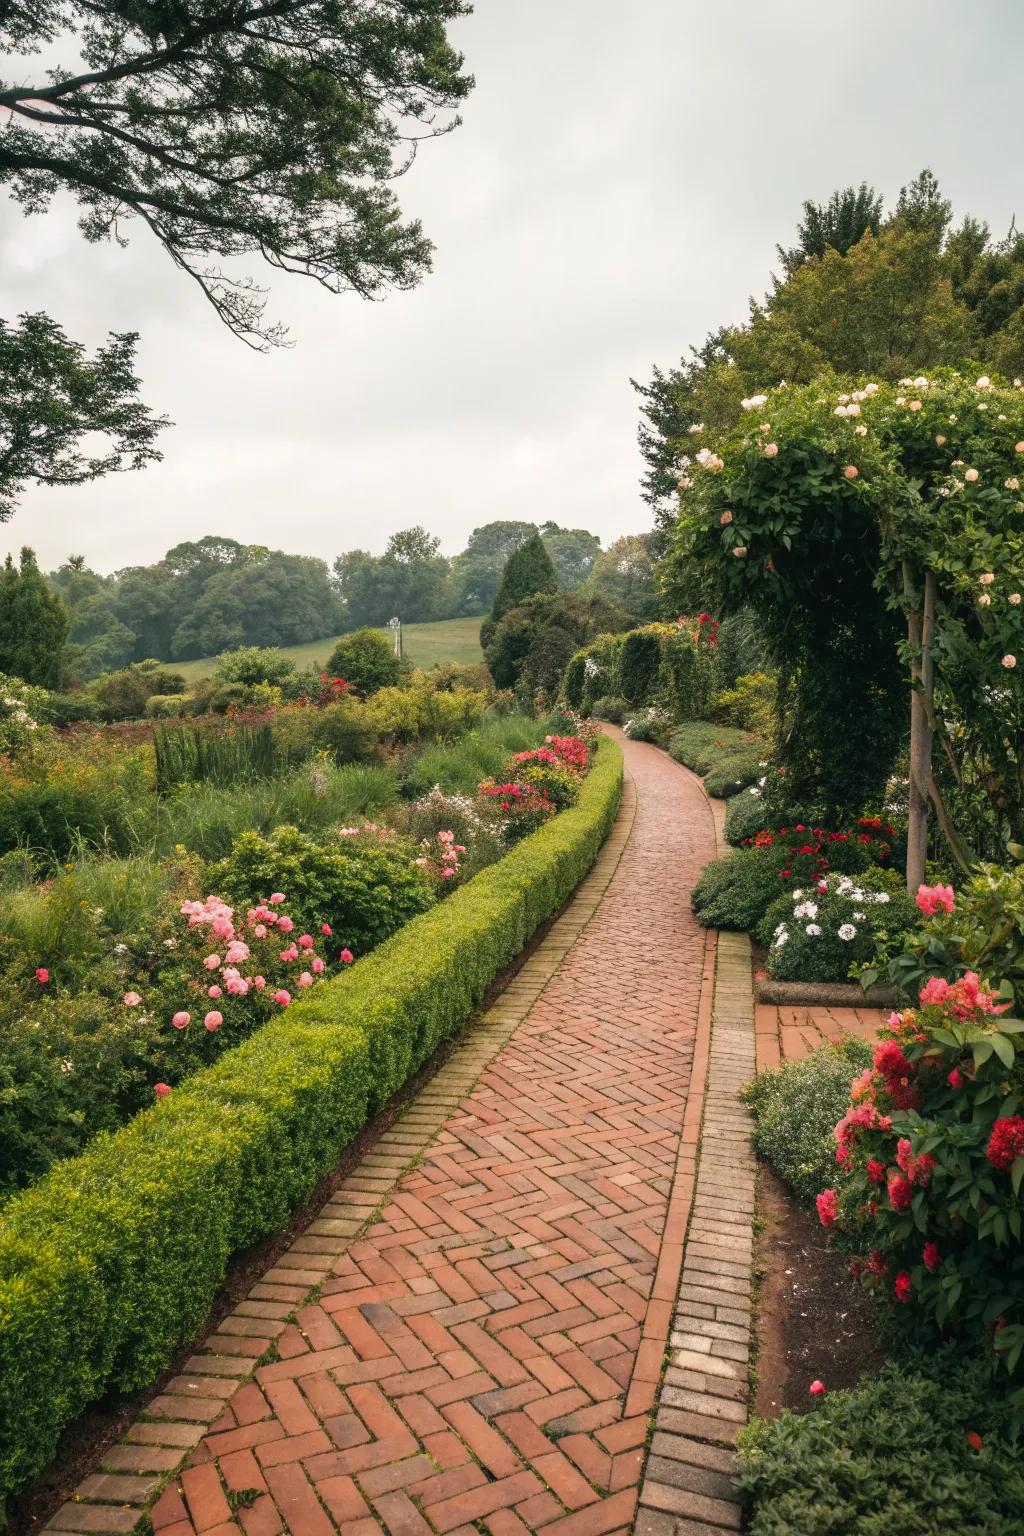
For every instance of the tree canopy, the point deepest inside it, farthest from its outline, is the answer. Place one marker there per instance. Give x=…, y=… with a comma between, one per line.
x=259, y=128
x=33, y=624
x=884, y=297
x=55, y=402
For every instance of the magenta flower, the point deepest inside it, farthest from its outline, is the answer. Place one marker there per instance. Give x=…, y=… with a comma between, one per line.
x=817, y=1389
x=285, y=924
x=42, y=975
x=346, y=957
x=282, y=997
x=326, y=930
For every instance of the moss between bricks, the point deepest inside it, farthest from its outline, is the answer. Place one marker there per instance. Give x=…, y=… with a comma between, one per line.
x=110, y=1263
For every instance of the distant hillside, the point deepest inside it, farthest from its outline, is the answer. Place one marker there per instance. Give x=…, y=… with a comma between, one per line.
x=426, y=645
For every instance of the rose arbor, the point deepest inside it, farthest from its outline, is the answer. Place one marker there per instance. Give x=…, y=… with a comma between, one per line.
x=910, y=493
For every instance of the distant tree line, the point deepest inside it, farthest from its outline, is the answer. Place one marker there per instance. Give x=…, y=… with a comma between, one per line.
x=215, y=594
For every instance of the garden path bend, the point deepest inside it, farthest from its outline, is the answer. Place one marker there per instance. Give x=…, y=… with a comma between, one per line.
x=484, y=1355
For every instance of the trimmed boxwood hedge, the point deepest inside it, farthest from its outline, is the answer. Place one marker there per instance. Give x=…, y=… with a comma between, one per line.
x=110, y=1263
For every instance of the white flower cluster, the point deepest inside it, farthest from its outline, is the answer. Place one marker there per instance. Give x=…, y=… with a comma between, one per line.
x=754, y=403
x=806, y=909
x=708, y=460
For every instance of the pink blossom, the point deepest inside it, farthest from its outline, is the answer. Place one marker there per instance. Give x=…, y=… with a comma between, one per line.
x=817, y=1389
x=237, y=952
x=933, y=898
x=285, y=924
x=213, y=1020
x=1009, y=662
x=934, y=991
x=212, y=962
x=161, y=1090
x=771, y=450
x=326, y=930
x=955, y=1078
x=132, y=999
x=305, y=941
x=282, y=997
x=259, y=982
x=851, y=472
x=42, y=975
x=181, y=1020
x=260, y=931
x=237, y=987
x=213, y=991
x=277, y=898
x=828, y=1207
x=318, y=966
x=305, y=980
x=346, y=957
x=291, y=953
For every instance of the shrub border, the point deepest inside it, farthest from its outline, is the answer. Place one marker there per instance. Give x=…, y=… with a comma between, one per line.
x=109, y=1265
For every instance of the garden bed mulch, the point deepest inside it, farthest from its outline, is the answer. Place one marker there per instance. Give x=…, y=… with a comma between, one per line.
x=816, y=994
x=103, y=1423
x=813, y=1320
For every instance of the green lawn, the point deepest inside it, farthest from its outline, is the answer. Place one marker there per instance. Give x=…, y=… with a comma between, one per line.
x=426, y=645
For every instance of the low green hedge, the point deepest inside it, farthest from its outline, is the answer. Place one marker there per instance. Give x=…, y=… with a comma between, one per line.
x=110, y=1263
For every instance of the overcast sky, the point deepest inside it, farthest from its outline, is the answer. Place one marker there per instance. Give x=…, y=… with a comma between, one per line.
x=617, y=189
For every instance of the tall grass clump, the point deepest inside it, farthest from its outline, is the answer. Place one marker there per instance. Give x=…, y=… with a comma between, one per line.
x=459, y=766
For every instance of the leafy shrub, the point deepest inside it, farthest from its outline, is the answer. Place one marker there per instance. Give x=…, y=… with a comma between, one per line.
x=109, y=1264
x=66, y=708
x=931, y=1159
x=252, y=664
x=460, y=766
x=796, y=1107
x=736, y=892
x=122, y=695
x=610, y=707
x=592, y=672
x=367, y=660
x=819, y=932
x=195, y=755
x=687, y=660
x=346, y=731
x=168, y=706
x=94, y=792
x=732, y=772
x=534, y=643
x=21, y=710
x=364, y=893
x=985, y=934
x=698, y=745
x=916, y=1448
x=640, y=664
x=419, y=709
x=438, y=812
x=745, y=816
x=651, y=724
x=749, y=704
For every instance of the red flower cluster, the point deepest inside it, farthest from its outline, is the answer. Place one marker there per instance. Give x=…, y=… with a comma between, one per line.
x=1006, y=1143
x=703, y=627
x=331, y=689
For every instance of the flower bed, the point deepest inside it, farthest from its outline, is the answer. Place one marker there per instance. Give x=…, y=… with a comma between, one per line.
x=109, y=1264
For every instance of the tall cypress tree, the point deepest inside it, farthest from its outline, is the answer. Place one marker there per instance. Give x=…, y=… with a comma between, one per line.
x=528, y=571
x=33, y=624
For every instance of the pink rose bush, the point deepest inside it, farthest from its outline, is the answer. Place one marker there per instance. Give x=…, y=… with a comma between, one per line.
x=930, y=1165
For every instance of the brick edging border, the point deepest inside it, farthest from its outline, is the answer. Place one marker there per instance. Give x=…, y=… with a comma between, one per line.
x=138, y=1474
x=703, y=1402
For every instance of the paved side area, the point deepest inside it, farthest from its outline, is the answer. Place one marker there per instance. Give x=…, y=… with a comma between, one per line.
x=787, y=1033
x=470, y=1337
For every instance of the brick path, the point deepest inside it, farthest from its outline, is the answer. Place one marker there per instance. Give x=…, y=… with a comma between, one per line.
x=473, y=1343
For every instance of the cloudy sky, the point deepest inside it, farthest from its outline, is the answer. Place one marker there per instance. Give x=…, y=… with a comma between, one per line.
x=622, y=176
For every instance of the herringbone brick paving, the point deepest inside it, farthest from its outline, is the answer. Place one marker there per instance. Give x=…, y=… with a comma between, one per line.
x=484, y=1354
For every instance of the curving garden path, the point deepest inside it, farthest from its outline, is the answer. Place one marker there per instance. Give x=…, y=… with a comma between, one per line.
x=471, y=1336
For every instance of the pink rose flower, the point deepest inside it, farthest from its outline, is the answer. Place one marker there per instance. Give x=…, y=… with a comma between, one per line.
x=285, y=924
x=213, y=1020
x=161, y=1090
x=213, y=991
x=259, y=982
x=132, y=999
x=326, y=930
x=260, y=931
x=42, y=975
x=318, y=966
x=277, y=898
x=212, y=962
x=817, y=1389
x=305, y=941
x=181, y=1020
x=346, y=957
x=305, y=980
x=282, y=997
x=851, y=472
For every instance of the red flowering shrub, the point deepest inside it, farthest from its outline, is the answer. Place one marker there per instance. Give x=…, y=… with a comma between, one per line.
x=931, y=1162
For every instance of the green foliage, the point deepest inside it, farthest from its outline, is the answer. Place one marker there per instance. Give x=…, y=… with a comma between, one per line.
x=749, y=703
x=65, y=795
x=592, y=673
x=54, y=401
x=796, y=1108
x=815, y=935
x=409, y=581
x=640, y=664
x=737, y=890
x=532, y=646
x=190, y=755
x=626, y=574
x=207, y=819
x=366, y=659
x=255, y=664
x=649, y=724
x=732, y=772
x=124, y=695
x=699, y=745
x=33, y=621
x=889, y=1455
x=364, y=891
x=984, y=934
x=310, y=186
x=109, y=1264
x=745, y=816
x=460, y=766
x=610, y=707
x=528, y=573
